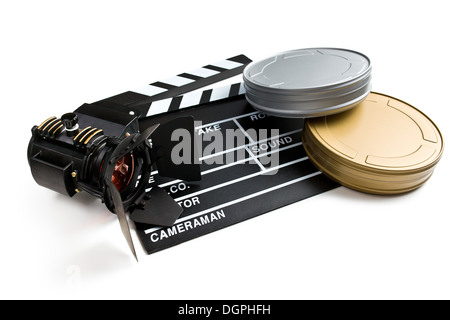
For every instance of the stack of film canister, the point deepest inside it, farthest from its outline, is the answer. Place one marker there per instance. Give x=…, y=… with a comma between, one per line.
x=366, y=141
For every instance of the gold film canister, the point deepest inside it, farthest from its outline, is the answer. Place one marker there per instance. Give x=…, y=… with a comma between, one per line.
x=382, y=146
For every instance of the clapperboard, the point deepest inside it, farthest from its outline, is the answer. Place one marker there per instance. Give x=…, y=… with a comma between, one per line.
x=236, y=183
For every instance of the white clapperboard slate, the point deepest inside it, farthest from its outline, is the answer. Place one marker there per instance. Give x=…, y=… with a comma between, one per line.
x=231, y=191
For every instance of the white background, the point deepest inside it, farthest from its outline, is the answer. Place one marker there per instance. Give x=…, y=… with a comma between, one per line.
x=56, y=55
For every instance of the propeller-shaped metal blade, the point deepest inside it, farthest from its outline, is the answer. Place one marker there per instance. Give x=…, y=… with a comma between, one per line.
x=160, y=209
x=120, y=212
x=163, y=146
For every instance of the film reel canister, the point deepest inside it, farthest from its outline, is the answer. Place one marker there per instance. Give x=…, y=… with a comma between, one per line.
x=382, y=146
x=308, y=83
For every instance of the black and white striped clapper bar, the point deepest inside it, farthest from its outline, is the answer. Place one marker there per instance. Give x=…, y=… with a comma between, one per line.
x=165, y=95
x=195, y=98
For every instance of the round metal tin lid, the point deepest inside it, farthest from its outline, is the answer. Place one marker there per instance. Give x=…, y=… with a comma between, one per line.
x=308, y=82
x=383, y=145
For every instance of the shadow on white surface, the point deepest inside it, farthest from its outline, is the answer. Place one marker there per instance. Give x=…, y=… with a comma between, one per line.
x=82, y=213
x=353, y=195
x=99, y=260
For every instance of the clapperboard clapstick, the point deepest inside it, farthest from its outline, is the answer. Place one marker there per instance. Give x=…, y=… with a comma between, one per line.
x=142, y=98
x=195, y=98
